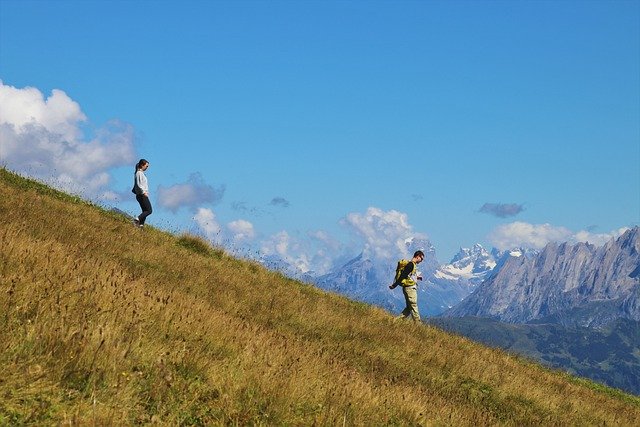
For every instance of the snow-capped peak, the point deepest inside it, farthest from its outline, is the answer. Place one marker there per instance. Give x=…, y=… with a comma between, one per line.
x=469, y=263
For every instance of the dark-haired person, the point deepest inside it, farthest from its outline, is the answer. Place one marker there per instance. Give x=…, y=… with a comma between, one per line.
x=408, y=280
x=141, y=190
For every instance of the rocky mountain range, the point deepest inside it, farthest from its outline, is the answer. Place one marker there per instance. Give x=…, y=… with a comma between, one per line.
x=579, y=284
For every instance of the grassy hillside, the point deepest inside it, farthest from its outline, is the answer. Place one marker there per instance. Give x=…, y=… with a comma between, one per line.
x=101, y=323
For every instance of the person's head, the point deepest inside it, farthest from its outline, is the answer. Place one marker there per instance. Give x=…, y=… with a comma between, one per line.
x=142, y=164
x=418, y=256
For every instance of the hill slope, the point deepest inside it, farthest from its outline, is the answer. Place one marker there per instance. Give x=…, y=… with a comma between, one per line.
x=101, y=323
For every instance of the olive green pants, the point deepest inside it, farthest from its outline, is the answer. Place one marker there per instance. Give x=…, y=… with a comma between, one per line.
x=411, y=299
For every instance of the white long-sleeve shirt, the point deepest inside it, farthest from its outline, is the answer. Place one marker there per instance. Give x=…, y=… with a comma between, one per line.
x=141, y=182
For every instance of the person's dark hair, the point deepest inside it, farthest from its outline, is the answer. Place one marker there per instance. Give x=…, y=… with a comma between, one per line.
x=141, y=163
x=418, y=253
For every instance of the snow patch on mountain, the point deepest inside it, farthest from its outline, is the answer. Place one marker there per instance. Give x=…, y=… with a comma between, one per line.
x=472, y=264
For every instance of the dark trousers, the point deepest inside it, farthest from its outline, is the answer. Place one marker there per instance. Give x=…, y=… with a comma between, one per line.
x=145, y=205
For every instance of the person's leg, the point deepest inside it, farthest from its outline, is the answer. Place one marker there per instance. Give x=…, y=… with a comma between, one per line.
x=412, y=303
x=407, y=309
x=145, y=205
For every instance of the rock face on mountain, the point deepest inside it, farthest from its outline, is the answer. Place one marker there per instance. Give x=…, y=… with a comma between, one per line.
x=568, y=284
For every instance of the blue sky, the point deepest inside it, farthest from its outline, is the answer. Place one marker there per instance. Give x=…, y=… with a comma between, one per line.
x=314, y=130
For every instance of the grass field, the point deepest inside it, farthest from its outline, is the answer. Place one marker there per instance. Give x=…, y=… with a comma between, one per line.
x=104, y=324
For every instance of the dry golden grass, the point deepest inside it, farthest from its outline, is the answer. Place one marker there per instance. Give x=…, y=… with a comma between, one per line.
x=104, y=324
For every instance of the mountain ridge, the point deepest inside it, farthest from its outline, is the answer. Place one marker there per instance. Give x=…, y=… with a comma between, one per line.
x=563, y=278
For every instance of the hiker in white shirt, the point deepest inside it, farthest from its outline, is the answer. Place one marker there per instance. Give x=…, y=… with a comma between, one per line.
x=141, y=190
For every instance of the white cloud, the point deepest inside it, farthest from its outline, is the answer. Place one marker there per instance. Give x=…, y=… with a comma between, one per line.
x=239, y=231
x=206, y=220
x=325, y=240
x=537, y=236
x=598, y=239
x=277, y=244
x=190, y=194
x=288, y=249
x=384, y=233
x=24, y=108
x=42, y=138
x=242, y=230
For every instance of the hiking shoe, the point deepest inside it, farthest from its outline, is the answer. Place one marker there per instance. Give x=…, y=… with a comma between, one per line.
x=136, y=222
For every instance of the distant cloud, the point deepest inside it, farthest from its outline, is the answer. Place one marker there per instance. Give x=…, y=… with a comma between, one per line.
x=323, y=251
x=384, y=233
x=277, y=244
x=279, y=201
x=207, y=222
x=241, y=230
x=190, y=194
x=537, y=236
x=501, y=210
x=316, y=251
x=43, y=138
x=417, y=197
x=325, y=239
x=288, y=249
x=598, y=239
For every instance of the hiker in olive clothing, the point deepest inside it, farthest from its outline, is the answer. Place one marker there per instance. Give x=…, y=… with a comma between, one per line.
x=408, y=280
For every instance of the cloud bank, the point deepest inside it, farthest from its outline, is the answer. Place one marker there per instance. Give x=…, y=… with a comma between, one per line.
x=191, y=194
x=501, y=210
x=42, y=138
x=537, y=236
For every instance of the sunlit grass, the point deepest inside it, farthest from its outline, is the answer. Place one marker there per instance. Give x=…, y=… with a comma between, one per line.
x=199, y=245
x=102, y=323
